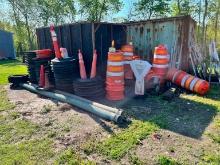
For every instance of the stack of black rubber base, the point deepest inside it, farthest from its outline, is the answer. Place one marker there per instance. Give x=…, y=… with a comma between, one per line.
x=31, y=65
x=65, y=72
x=89, y=88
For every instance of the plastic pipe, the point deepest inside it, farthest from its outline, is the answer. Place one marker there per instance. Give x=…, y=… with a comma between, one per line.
x=77, y=102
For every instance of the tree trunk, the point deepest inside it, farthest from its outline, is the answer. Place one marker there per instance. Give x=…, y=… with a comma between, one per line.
x=217, y=20
x=179, y=7
x=30, y=42
x=204, y=26
x=101, y=10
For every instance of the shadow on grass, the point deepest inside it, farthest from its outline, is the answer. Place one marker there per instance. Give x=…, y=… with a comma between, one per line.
x=188, y=115
x=8, y=63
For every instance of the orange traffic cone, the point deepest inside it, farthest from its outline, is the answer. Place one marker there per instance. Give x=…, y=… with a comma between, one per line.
x=94, y=61
x=55, y=42
x=42, y=76
x=82, y=66
x=47, y=82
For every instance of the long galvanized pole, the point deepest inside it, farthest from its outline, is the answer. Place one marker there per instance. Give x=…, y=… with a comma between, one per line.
x=77, y=102
x=107, y=108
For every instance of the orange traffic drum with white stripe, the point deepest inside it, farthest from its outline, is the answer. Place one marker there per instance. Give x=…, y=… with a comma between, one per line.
x=128, y=52
x=160, y=60
x=115, y=76
x=187, y=81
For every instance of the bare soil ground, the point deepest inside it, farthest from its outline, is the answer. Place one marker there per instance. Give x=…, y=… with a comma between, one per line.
x=70, y=125
x=183, y=134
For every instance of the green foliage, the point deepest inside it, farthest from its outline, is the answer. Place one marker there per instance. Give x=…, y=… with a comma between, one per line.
x=69, y=157
x=56, y=11
x=9, y=67
x=151, y=8
x=164, y=160
x=119, y=144
x=211, y=159
x=183, y=7
x=27, y=152
x=4, y=102
x=95, y=10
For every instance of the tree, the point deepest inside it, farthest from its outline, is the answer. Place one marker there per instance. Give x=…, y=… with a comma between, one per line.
x=182, y=7
x=96, y=10
x=56, y=11
x=24, y=14
x=151, y=8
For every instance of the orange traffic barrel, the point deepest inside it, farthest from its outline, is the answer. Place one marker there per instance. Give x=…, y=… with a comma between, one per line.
x=161, y=60
x=115, y=76
x=128, y=52
x=187, y=81
x=151, y=75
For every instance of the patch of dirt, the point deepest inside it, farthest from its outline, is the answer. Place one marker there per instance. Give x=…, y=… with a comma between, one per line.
x=66, y=124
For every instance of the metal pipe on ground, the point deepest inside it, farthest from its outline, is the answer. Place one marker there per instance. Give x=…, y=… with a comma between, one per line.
x=81, y=103
x=107, y=108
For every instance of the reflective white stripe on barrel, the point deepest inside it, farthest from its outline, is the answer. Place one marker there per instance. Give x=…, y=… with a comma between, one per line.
x=109, y=74
x=162, y=57
x=184, y=80
x=160, y=66
x=174, y=76
x=128, y=53
x=127, y=62
x=193, y=83
x=115, y=63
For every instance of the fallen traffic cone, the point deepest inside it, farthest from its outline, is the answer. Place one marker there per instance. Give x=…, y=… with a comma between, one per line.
x=94, y=61
x=42, y=76
x=82, y=66
x=55, y=42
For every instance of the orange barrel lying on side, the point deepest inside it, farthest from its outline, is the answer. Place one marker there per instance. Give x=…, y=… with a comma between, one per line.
x=187, y=81
x=115, y=76
x=128, y=56
x=160, y=61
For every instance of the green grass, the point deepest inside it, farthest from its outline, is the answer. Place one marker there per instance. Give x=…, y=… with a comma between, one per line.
x=69, y=157
x=9, y=67
x=16, y=130
x=4, y=102
x=210, y=159
x=27, y=152
x=118, y=145
x=164, y=160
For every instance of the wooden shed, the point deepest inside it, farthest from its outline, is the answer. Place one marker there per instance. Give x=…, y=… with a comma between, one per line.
x=178, y=33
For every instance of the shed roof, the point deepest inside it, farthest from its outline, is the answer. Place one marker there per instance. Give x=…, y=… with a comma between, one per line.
x=166, y=19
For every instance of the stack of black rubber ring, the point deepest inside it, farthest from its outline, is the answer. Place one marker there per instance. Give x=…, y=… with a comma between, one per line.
x=65, y=72
x=89, y=88
x=31, y=65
